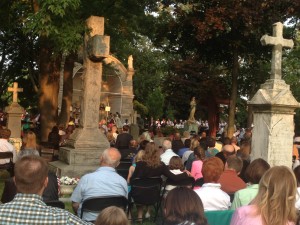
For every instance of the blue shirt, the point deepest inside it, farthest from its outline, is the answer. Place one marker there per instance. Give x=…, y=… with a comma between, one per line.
x=182, y=151
x=105, y=181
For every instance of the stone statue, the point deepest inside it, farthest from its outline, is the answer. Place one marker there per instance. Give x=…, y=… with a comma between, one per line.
x=130, y=62
x=193, y=110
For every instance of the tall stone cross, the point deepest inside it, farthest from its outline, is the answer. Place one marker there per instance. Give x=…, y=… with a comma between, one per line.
x=96, y=48
x=278, y=42
x=15, y=91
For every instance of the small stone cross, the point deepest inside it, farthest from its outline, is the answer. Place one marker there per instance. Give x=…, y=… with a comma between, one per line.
x=278, y=42
x=15, y=91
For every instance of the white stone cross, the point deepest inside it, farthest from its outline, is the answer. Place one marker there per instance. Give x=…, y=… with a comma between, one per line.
x=278, y=42
x=15, y=91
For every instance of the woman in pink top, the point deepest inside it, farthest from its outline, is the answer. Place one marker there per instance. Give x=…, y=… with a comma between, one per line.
x=274, y=203
x=199, y=153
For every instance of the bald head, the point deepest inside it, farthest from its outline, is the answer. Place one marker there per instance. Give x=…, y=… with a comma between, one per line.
x=167, y=144
x=110, y=157
x=228, y=150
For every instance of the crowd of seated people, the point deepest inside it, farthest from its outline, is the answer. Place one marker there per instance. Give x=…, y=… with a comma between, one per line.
x=225, y=180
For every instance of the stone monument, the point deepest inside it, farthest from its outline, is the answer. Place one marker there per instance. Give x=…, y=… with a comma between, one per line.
x=273, y=109
x=81, y=155
x=14, y=111
x=191, y=125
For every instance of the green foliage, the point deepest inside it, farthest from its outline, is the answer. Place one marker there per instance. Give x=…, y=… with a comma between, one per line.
x=60, y=22
x=170, y=112
x=241, y=113
x=155, y=103
x=140, y=108
x=166, y=131
x=291, y=74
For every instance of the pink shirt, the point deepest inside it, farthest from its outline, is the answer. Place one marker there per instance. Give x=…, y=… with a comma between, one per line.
x=196, y=169
x=246, y=215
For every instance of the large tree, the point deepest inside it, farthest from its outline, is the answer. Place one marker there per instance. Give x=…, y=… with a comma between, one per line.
x=57, y=29
x=221, y=33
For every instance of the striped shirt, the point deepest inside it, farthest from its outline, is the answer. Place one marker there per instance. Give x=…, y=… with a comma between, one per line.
x=30, y=209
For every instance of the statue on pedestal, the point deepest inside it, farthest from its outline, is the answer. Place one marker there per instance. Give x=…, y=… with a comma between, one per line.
x=193, y=105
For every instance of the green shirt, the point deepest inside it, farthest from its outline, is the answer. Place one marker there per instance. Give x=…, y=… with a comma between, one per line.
x=244, y=196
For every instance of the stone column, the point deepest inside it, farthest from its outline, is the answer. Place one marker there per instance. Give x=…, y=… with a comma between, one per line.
x=273, y=111
x=87, y=142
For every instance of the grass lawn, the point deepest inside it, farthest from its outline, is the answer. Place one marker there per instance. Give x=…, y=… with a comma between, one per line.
x=4, y=175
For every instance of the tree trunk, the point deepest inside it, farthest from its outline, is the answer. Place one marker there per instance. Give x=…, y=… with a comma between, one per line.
x=67, y=90
x=250, y=109
x=213, y=115
x=233, y=96
x=49, y=86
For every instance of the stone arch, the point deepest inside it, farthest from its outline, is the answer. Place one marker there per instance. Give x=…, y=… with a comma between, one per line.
x=116, y=87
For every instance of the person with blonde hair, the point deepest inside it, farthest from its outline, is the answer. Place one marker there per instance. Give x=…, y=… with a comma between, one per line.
x=112, y=215
x=137, y=158
x=275, y=202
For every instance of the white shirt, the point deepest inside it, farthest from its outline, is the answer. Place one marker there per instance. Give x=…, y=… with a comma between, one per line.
x=213, y=198
x=166, y=156
x=5, y=146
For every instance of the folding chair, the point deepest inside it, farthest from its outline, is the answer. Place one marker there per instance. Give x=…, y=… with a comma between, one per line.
x=123, y=168
x=7, y=166
x=96, y=204
x=147, y=191
x=219, y=217
x=57, y=204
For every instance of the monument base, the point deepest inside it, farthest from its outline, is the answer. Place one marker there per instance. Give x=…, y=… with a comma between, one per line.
x=135, y=131
x=273, y=119
x=76, y=162
x=192, y=127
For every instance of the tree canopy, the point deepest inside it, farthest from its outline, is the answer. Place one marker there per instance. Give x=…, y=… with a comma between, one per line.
x=208, y=49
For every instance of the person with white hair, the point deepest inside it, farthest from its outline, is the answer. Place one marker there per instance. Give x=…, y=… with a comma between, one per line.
x=168, y=152
x=105, y=181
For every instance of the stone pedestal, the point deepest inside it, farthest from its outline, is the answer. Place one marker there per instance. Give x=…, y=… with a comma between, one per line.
x=135, y=131
x=273, y=114
x=75, y=162
x=191, y=127
x=14, y=111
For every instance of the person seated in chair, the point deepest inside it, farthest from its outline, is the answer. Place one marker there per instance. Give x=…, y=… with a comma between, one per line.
x=229, y=180
x=5, y=146
x=28, y=207
x=105, y=181
x=50, y=193
x=211, y=195
x=151, y=166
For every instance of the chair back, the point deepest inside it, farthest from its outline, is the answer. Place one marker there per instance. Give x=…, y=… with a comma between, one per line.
x=188, y=182
x=7, y=166
x=96, y=204
x=146, y=191
x=219, y=217
x=57, y=204
x=6, y=155
x=123, y=168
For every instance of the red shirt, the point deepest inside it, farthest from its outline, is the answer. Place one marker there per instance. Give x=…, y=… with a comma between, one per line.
x=230, y=182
